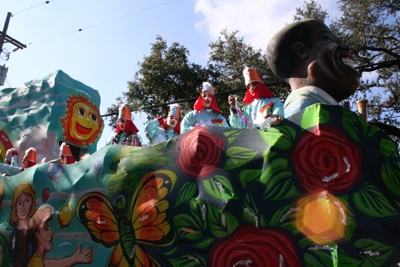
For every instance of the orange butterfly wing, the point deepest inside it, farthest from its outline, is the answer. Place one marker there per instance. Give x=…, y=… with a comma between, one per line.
x=150, y=205
x=95, y=212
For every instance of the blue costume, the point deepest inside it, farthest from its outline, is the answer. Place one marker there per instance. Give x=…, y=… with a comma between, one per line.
x=260, y=103
x=157, y=133
x=202, y=117
x=206, y=111
x=306, y=96
x=254, y=111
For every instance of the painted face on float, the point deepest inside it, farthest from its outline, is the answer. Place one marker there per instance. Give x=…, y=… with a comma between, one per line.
x=84, y=122
x=207, y=98
x=330, y=63
x=45, y=237
x=24, y=204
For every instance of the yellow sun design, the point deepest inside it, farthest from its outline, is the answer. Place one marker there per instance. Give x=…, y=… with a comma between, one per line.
x=82, y=124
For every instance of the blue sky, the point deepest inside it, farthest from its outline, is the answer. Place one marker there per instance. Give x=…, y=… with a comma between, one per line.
x=116, y=35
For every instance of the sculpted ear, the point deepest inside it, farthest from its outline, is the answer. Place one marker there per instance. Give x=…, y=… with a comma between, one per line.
x=299, y=49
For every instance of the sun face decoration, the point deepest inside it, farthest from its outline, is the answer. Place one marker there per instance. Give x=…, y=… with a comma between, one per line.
x=82, y=124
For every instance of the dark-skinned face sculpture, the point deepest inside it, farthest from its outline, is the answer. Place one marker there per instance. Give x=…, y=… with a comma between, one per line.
x=307, y=53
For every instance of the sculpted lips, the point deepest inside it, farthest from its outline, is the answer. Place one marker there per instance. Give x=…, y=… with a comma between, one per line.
x=347, y=59
x=82, y=130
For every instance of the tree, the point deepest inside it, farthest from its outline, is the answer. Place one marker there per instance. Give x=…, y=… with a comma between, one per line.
x=311, y=10
x=228, y=57
x=166, y=75
x=371, y=29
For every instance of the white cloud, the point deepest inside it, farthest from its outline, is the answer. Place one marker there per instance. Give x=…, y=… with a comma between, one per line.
x=256, y=20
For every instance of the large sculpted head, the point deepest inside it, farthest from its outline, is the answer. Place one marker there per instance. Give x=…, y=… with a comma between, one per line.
x=307, y=53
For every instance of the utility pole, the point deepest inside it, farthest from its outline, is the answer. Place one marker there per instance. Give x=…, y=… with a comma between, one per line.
x=5, y=38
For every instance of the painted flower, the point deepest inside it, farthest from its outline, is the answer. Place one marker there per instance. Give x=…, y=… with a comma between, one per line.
x=325, y=159
x=252, y=246
x=199, y=152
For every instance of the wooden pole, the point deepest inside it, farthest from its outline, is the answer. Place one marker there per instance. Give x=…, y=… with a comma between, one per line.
x=3, y=35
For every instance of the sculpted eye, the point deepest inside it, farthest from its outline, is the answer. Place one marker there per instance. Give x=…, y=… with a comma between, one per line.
x=93, y=117
x=81, y=111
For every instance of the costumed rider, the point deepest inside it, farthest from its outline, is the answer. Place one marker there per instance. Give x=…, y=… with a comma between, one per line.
x=206, y=111
x=261, y=108
x=28, y=161
x=11, y=159
x=126, y=133
x=160, y=130
x=66, y=155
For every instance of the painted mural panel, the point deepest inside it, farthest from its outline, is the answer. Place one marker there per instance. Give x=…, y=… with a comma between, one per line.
x=43, y=112
x=320, y=189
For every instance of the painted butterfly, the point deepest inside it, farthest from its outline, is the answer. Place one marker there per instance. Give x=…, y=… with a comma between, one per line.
x=147, y=223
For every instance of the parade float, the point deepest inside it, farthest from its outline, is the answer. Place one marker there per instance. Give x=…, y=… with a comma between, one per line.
x=320, y=189
x=45, y=112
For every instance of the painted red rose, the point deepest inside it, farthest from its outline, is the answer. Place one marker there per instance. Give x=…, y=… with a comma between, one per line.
x=199, y=152
x=325, y=159
x=252, y=246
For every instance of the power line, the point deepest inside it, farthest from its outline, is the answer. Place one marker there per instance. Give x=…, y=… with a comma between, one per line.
x=100, y=23
x=41, y=3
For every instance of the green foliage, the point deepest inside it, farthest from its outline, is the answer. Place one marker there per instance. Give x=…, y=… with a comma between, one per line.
x=229, y=55
x=312, y=10
x=166, y=76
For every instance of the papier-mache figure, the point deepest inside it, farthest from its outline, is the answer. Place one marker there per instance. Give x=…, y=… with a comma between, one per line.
x=126, y=133
x=161, y=130
x=66, y=155
x=318, y=67
x=206, y=111
x=261, y=107
x=28, y=160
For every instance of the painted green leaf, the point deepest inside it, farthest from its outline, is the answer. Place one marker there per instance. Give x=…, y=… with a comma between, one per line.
x=248, y=175
x=388, y=148
x=278, y=180
x=372, y=202
x=171, y=252
x=391, y=176
x=197, y=209
x=189, y=261
x=284, y=218
x=356, y=127
x=221, y=223
x=231, y=135
x=307, y=243
x=205, y=243
x=219, y=187
x=187, y=191
x=251, y=212
x=188, y=227
x=238, y=156
x=267, y=155
x=279, y=217
x=280, y=137
x=351, y=223
x=323, y=258
x=314, y=115
x=373, y=252
x=279, y=164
